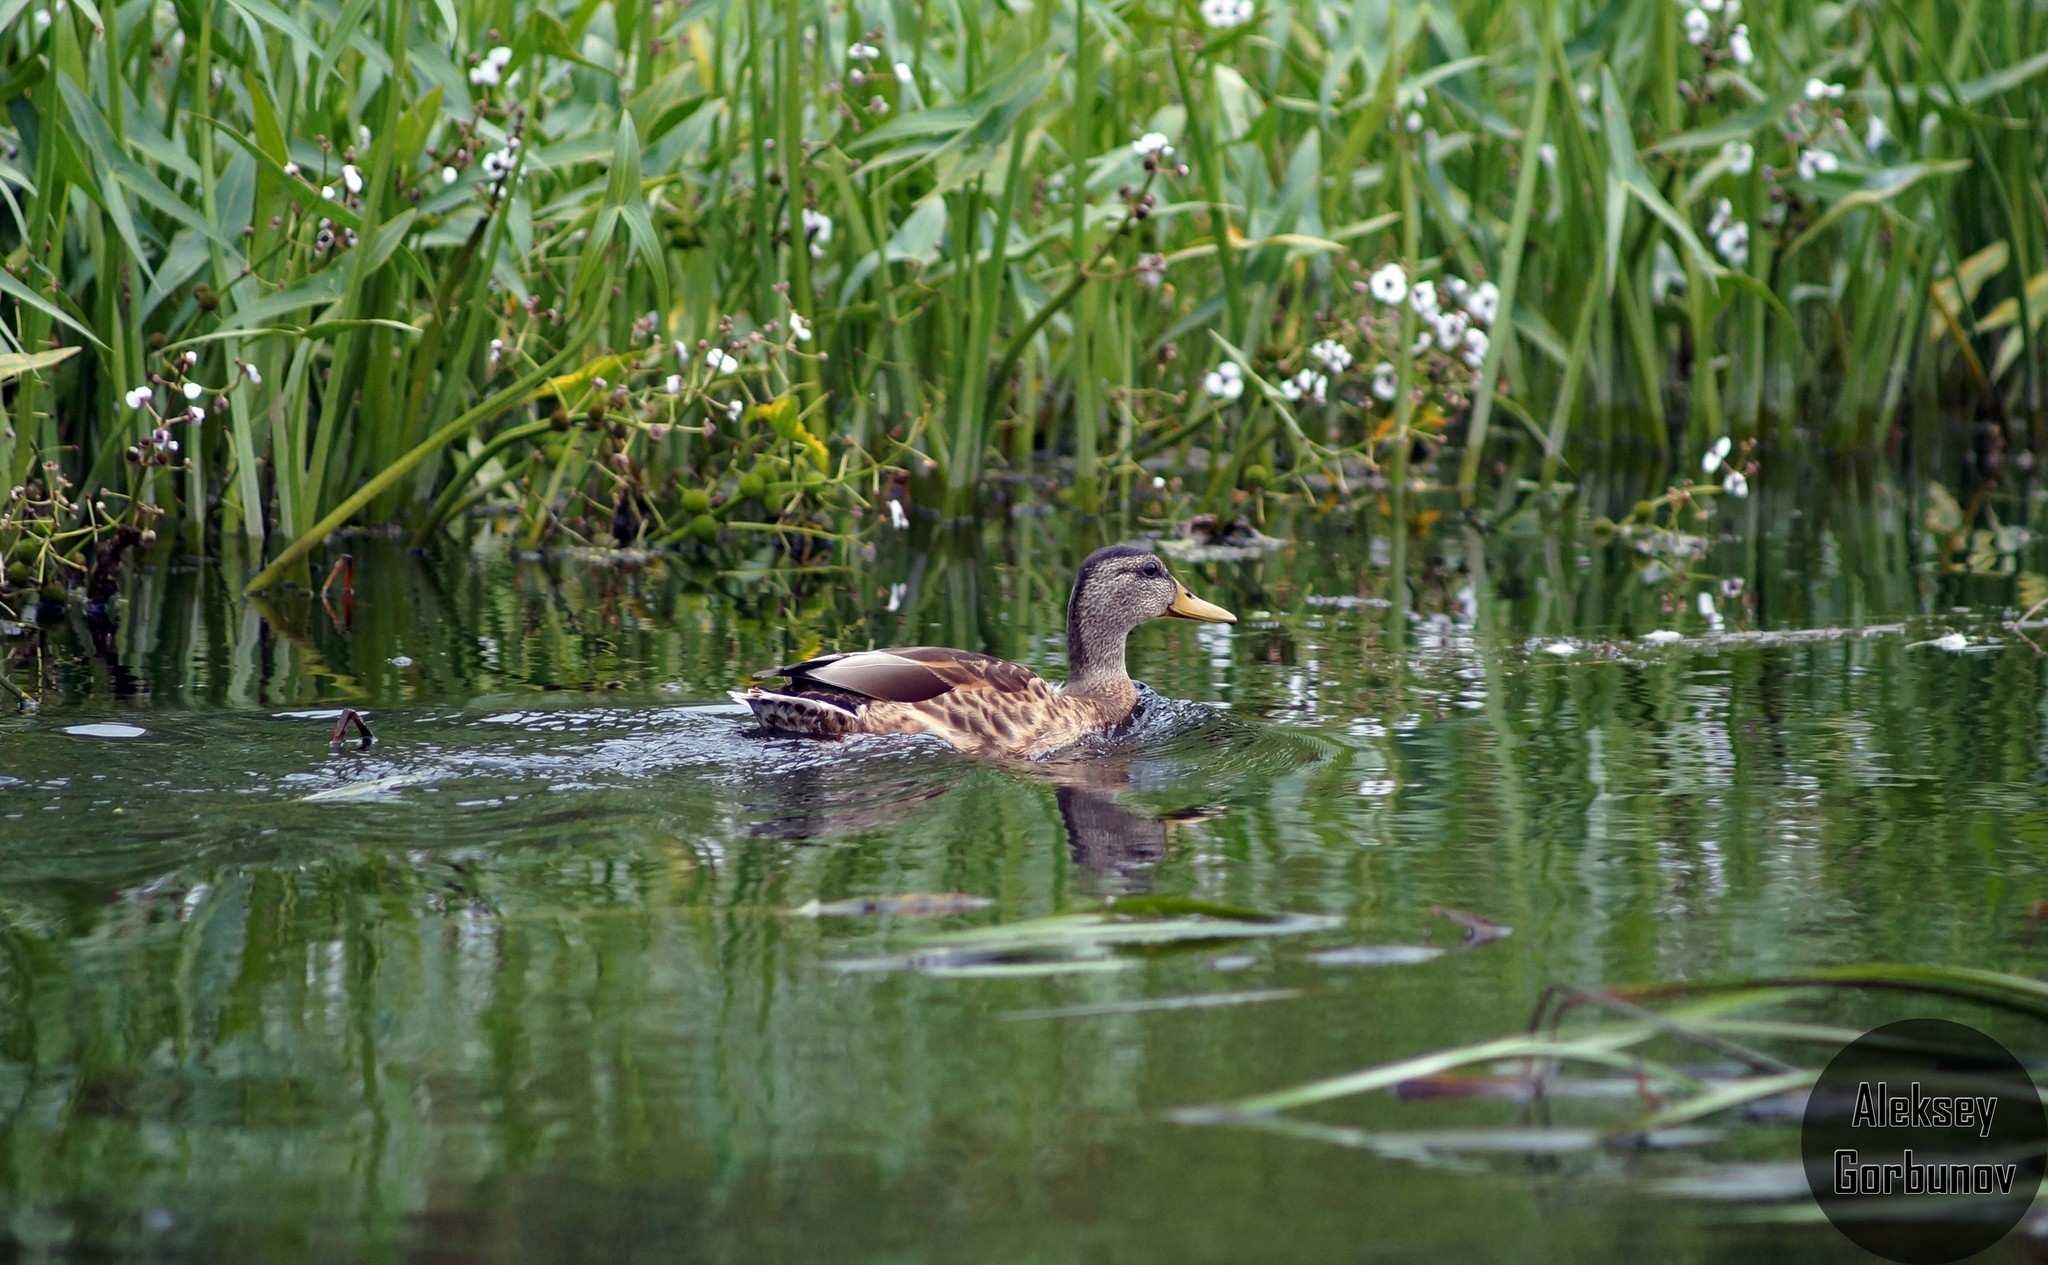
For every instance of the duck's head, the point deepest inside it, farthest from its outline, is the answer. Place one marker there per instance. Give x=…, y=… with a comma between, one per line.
x=1117, y=589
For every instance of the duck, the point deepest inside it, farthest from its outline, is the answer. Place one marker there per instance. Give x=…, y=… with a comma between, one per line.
x=980, y=704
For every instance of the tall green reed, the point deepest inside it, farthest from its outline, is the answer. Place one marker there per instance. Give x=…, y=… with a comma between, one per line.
x=393, y=234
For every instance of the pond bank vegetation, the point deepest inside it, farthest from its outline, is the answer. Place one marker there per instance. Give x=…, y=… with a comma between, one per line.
x=276, y=269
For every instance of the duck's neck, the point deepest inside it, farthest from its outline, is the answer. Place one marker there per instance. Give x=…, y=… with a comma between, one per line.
x=1095, y=665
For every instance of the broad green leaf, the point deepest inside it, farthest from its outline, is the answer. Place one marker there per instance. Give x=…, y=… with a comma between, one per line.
x=1735, y=127
x=1887, y=185
x=188, y=254
x=916, y=240
x=324, y=286
x=14, y=364
x=1973, y=272
x=1625, y=169
x=12, y=287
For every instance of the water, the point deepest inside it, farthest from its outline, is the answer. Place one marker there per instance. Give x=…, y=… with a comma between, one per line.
x=525, y=981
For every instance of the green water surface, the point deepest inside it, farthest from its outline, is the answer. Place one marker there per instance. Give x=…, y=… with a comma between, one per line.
x=522, y=980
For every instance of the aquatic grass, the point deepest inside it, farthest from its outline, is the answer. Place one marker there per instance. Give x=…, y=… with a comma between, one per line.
x=365, y=219
x=1641, y=1034
x=1088, y=939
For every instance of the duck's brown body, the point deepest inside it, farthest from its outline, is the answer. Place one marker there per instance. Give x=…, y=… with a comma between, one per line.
x=984, y=705
x=980, y=704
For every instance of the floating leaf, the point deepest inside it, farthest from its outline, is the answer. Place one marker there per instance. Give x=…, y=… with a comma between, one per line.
x=916, y=905
x=1148, y=1005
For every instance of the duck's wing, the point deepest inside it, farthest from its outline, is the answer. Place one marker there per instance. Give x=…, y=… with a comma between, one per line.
x=912, y=674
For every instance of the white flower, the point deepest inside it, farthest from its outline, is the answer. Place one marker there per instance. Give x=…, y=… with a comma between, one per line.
x=800, y=327
x=1733, y=244
x=291, y=169
x=1706, y=607
x=1413, y=122
x=1817, y=90
x=862, y=52
x=1423, y=299
x=897, y=592
x=1389, y=284
x=196, y=414
x=192, y=390
x=498, y=164
x=1715, y=454
x=1334, y=355
x=903, y=73
x=1663, y=637
x=1476, y=345
x=327, y=192
x=1952, y=642
x=1814, y=163
x=734, y=408
x=673, y=384
x=1385, y=382
x=1711, y=6
x=1308, y=384
x=1740, y=157
x=1875, y=133
x=897, y=518
x=1422, y=342
x=352, y=177
x=1731, y=587
x=491, y=70
x=721, y=361
x=449, y=175
x=497, y=350
x=1221, y=15
x=1450, y=329
x=1546, y=153
x=1735, y=485
x=1560, y=648
x=1738, y=46
x=1151, y=144
x=817, y=229
x=1724, y=213
x=139, y=396
x=1699, y=28
x=682, y=353
x=1484, y=302
x=250, y=372
x=1225, y=381
x=186, y=359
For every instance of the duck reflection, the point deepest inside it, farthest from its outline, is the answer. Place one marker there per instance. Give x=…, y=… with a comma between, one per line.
x=1114, y=843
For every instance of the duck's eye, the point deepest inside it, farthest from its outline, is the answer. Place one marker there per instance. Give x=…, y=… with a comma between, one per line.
x=1154, y=570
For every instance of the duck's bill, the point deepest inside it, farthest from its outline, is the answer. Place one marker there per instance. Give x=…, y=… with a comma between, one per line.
x=1187, y=606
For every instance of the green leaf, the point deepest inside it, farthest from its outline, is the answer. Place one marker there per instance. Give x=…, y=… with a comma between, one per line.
x=1625, y=168
x=15, y=363
x=625, y=191
x=324, y=286
x=1887, y=185
x=1733, y=128
x=20, y=293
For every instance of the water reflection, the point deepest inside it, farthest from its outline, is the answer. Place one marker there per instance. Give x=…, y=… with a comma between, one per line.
x=523, y=979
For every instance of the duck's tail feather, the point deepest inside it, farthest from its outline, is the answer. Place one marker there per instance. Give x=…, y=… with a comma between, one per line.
x=798, y=713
